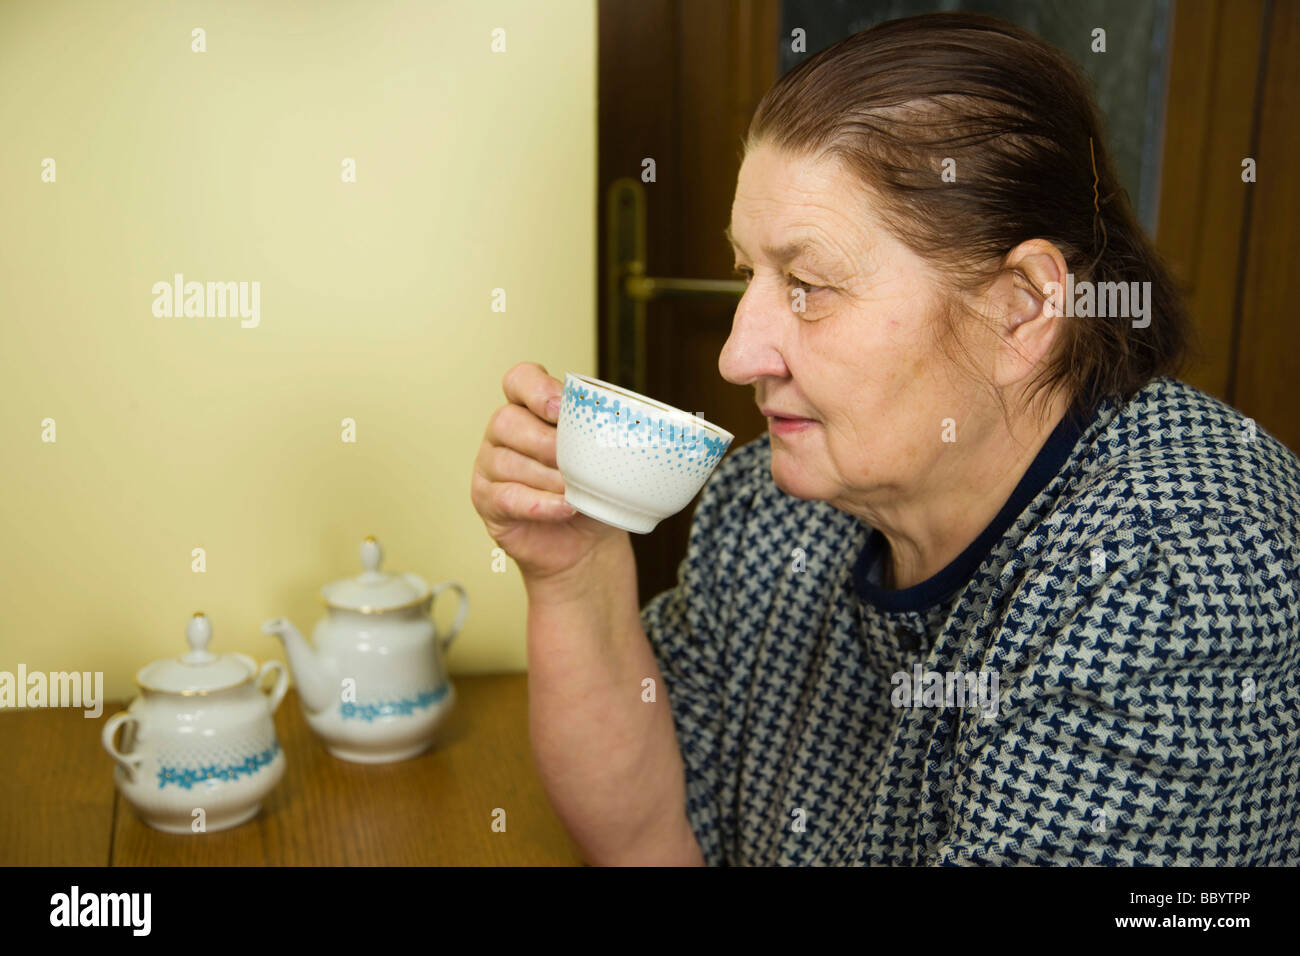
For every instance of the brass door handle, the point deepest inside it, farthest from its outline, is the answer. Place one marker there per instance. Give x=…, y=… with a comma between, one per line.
x=628, y=288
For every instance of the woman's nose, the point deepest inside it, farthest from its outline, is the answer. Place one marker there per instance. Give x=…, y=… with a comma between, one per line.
x=751, y=350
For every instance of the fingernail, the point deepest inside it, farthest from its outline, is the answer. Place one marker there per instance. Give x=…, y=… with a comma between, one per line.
x=553, y=408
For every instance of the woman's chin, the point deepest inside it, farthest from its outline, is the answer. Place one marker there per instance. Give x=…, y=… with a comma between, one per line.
x=793, y=478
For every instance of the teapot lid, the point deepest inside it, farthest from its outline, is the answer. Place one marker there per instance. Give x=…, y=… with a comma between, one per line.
x=198, y=672
x=374, y=591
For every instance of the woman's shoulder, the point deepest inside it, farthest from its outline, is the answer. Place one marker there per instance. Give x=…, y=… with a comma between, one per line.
x=1174, y=450
x=1192, y=477
x=1171, y=528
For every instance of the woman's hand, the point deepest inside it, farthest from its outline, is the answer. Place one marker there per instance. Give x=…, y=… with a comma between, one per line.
x=517, y=488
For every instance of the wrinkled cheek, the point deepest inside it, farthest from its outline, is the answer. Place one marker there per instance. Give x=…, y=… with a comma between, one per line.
x=858, y=464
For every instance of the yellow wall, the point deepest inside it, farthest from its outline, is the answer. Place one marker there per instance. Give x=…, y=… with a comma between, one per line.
x=475, y=170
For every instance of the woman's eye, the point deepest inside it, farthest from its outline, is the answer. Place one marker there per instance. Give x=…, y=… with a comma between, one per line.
x=746, y=273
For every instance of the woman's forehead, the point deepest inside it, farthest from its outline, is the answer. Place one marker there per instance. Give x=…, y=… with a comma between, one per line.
x=784, y=201
x=776, y=173
x=784, y=235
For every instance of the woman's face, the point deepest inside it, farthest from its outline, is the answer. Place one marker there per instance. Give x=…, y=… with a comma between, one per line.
x=861, y=363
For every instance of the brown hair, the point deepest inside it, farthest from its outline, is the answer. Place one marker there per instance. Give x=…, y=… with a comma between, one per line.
x=892, y=102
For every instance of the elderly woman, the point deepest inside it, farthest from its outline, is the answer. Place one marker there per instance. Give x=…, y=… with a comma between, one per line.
x=993, y=587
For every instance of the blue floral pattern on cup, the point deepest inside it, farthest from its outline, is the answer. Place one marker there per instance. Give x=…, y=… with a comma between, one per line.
x=635, y=427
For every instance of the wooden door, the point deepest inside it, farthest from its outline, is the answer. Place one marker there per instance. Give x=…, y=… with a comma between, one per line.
x=678, y=83
x=1233, y=244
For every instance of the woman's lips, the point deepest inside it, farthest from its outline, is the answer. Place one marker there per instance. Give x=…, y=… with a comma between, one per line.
x=789, y=426
x=782, y=424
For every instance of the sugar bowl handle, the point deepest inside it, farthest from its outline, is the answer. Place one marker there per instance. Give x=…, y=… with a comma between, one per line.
x=460, y=613
x=281, y=682
x=128, y=762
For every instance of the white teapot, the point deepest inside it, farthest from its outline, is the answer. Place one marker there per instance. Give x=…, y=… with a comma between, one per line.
x=199, y=737
x=374, y=689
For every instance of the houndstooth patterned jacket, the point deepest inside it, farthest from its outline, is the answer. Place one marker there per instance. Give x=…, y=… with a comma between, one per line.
x=1136, y=601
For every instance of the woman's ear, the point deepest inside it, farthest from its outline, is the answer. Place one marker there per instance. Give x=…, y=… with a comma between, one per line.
x=1028, y=308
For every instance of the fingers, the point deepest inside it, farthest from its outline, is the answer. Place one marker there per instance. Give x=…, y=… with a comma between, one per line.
x=527, y=384
x=507, y=502
x=513, y=426
x=516, y=477
x=506, y=464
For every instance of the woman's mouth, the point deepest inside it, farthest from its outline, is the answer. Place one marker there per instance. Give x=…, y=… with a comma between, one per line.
x=782, y=425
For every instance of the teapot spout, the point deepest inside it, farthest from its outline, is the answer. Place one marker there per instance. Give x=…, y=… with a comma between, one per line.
x=313, y=674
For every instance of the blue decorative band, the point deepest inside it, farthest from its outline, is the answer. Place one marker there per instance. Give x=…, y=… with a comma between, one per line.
x=402, y=707
x=187, y=777
x=692, y=442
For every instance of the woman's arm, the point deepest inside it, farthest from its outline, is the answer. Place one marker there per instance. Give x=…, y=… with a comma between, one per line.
x=609, y=760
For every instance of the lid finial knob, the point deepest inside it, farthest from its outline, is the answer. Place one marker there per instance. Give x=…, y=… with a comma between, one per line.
x=371, y=554
x=199, y=633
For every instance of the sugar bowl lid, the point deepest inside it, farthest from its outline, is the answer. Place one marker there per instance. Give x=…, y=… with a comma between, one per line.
x=374, y=591
x=198, y=672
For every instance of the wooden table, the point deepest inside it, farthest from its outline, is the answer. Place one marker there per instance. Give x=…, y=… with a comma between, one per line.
x=58, y=804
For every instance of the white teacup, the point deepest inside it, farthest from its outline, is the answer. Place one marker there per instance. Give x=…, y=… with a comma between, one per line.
x=628, y=460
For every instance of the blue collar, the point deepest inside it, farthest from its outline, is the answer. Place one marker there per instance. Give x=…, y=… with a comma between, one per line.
x=943, y=584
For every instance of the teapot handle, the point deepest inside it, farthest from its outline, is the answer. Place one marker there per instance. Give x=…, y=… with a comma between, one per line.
x=128, y=762
x=460, y=613
x=281, y=682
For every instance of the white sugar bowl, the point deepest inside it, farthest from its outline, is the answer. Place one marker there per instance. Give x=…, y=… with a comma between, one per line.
x=199, y=752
